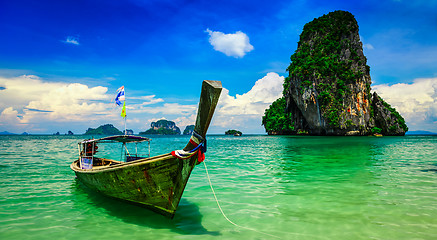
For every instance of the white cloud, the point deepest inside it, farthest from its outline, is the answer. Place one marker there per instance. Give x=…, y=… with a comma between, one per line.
x=184, y=121
x=141, y=107
x=245, y=111
x=416, y=102
x=72, y=40
x=368, y=46
x=35, y=102
x=9, y=116
x=149, y=121
x=31, y=104
x=31, y=92
x=166, y=108
x=150, y=99
x=232, y=44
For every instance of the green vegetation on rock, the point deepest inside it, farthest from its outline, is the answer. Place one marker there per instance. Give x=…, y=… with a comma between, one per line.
x=376, y=130
x=327, y=60
x=189, y=130
x=328, y=89
x=160, y=131
x=395, y=113
x=275, y=120
x=107, y=129
x=162, y=127
x=233, y=132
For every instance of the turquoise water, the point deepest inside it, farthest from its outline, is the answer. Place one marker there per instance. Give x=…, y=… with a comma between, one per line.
x=289, y=187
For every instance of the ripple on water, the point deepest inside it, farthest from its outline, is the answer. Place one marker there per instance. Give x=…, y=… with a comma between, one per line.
x=291, y=187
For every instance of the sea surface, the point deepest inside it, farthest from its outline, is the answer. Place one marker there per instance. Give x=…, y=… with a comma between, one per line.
x=270, y=187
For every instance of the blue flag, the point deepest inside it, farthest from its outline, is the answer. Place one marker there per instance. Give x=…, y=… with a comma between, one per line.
x=119, y=99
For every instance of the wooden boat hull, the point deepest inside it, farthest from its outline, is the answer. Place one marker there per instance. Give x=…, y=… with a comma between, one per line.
x=156, y=183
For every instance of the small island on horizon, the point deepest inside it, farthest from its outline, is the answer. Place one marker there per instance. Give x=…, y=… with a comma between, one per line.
x=7, y=133
x=107, y=129
x=188, y=130
x=162, y=127
x=233, y=132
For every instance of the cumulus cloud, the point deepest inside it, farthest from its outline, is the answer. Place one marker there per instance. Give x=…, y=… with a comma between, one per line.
x=9, y=116
x=166, y=108
x=148, y=100
x=72, y=40
x=245, y=111
x=33, y=93
x=416, y=102
x=28, y=101
x=183, y=121
x=232, y=44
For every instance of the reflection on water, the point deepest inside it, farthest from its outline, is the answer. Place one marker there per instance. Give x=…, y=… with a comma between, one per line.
x=295, y=187
x=187, y=220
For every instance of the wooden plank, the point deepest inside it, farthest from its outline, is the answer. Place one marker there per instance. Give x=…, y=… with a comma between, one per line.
x=209, y=97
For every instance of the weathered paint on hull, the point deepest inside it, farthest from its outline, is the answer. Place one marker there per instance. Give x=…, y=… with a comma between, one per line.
x=156, y=183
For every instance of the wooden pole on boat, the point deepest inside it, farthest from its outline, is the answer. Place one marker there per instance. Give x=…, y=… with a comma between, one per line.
x=208, y=101
x=125, y=133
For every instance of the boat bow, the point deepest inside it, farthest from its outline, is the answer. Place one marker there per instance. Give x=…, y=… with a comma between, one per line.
x=155, y=182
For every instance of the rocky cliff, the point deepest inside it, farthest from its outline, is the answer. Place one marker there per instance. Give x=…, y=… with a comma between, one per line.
x=328, y=89
x=162, y=127
x=189, y=130
x=386, y=119
x=107, y=129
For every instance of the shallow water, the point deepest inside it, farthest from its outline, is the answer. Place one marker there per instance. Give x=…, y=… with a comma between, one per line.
x=286, y=186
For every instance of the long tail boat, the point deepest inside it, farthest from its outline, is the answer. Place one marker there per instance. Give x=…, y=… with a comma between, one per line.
x=155, y=182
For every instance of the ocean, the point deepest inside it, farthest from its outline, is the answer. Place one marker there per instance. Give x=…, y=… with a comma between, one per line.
x=271, y=187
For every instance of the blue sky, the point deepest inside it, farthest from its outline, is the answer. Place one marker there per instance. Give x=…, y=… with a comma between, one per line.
x=61, y=62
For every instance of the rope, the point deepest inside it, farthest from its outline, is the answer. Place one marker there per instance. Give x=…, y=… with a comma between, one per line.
x=224, y=215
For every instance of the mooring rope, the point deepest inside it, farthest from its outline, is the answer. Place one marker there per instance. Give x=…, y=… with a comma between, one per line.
x=224, y=215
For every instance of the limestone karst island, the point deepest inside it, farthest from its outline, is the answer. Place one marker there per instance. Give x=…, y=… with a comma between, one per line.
x=161, y=127
x=327, y=91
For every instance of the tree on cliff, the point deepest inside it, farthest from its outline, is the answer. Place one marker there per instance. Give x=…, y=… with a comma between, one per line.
x=327, y=91
x=275, y=120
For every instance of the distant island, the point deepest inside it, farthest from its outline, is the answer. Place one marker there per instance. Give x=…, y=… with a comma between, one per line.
x=189, y=130
x=68, y=133
x=107, y=129
x=233, y=132
x=162, y=127
x=9, y=133
x=128, y=132
x=327, y=91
